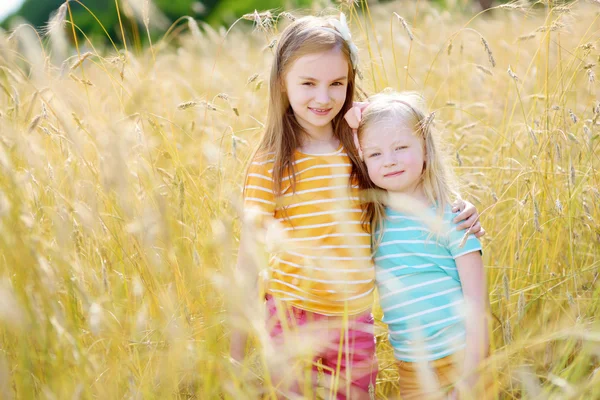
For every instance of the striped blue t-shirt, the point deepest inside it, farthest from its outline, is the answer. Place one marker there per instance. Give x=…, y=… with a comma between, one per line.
x=419, y=287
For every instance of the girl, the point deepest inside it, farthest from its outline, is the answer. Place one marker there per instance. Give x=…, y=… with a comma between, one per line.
x=321, y=279
x=429, y=277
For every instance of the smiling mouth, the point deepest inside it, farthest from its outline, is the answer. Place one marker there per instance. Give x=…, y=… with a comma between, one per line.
x=392, y=174
x=320, y=110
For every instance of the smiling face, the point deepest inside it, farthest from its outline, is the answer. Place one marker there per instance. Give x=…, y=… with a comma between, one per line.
x=394, y=156
x=316, y=87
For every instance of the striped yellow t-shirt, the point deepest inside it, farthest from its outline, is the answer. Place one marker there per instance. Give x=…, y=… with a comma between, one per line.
x=323, y=261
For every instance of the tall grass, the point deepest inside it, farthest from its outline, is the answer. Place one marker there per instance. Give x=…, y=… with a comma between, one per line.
x=121, y=182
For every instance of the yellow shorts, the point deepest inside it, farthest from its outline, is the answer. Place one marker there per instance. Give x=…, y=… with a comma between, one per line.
x=433, y=380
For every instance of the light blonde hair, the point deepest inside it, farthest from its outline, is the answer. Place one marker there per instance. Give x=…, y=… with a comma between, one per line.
x=438, y=179
x=283, y=134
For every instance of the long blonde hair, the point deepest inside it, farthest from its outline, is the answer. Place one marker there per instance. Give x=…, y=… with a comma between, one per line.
x=283, y=134
x=438, y=179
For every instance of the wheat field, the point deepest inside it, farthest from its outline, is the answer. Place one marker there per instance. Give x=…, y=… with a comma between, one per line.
x=120, y=191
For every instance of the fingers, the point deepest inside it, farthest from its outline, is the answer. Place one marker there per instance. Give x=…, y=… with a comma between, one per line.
x=458, y=205
x=481, y=233
x=468, y=212
x=357, y=114
x=471, y=222
x=354, y=115
x=351, y=118
x=361, y=105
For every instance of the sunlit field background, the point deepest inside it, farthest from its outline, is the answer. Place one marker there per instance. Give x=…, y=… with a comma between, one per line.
x=120, y=192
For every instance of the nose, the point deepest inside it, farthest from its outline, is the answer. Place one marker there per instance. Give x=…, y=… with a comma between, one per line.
x=390, y=159
x=322, y=95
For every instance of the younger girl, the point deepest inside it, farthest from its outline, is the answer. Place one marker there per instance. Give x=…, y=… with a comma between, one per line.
x=429, y=275
x=320, y=279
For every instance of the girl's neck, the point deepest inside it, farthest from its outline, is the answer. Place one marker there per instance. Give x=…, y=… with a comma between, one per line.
x=403, y=201
x=319, y=142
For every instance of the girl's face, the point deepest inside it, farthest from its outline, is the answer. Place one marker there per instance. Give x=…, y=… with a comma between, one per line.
x=316, y=88
x=394, y=156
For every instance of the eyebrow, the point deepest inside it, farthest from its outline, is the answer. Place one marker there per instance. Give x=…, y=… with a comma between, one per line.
x=377, y=147
x=367, y=148
x=308, y=78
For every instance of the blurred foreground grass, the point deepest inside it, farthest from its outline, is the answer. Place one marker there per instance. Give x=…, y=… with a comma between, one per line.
x=121, y=178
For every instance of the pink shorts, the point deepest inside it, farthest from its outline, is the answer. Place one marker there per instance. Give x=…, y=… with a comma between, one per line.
x=358, y=358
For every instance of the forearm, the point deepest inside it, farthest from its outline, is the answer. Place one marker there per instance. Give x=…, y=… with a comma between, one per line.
x=477, y=338
x=472, y=276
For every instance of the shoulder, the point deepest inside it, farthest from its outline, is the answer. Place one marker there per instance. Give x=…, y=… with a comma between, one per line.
x=262, y=162
x=263, y=158
x=448, y=219
x=457, y=241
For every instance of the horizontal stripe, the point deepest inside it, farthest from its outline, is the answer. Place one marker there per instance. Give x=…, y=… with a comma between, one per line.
x=399, y=268
x=400, y=255
x=294, y=163
x=327, y=257
x=418, y=299
x=421, y=327
x=357, y=297
x=383, y=272
x=261, y=188
x=261, y=163
x=321, y=213
x=255, y=175
x=404, y=218
x=329, y=270
x=290, y=285
x=409, y=241
x=313, y=202
x=336, y=223
x=257, y=200
x=330, y=247
x=323, y=177
x=320, y=189
x=425, y=312
x=430, y=357
x=271, y=161
x=389, y=230
x=330, y=281
x=439, y=333
x=420, y=347
x=318, y=166
x=466, y=252
x=385, y=296
x=328, y=236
